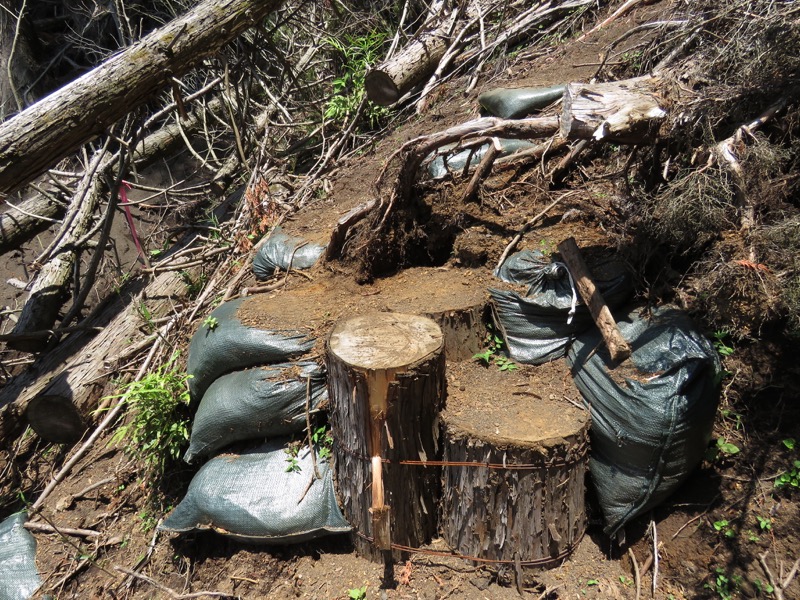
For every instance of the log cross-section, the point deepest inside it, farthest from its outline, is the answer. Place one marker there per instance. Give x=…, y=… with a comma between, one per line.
x=51, y=129
x=386, y=384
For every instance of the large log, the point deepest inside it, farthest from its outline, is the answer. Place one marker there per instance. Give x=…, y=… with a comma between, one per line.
x=21, y=221
x=67, y=382
x=50, y=287
x=515, y=456
x=57, y=125
x=386, y=387
x=629, y=111
x=386, y=83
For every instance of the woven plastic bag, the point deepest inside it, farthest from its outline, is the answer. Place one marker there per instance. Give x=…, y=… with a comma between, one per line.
x=538, y=327
x=231, y=345
x=256, y=403
x=19, y=578
x=261, y=496
x=651, y=428
x=283, y=252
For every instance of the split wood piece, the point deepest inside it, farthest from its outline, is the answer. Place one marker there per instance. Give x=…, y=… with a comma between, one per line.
x=617, y=346
x=529, y=505
x=386, y=386
x=628, y=111
x=55, y=126
x=457, y=299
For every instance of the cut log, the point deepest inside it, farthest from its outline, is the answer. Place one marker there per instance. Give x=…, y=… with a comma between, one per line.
x=515, y=454
x=50, y=288
x=617, y=346
x=629, y=111
x=386, y=387
x=72, y=377
x=456, y=299
x=55, y=126
x=21, y=221
x=389, y=81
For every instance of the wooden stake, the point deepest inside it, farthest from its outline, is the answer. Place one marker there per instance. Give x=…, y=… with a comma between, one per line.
x=617, y=346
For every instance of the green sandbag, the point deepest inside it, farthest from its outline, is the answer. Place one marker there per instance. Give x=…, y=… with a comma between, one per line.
x=261, y=497
x=516, y=103
x=231, y=345
x=256, y=403
x=650, y=431
x=442, y=163
x=19, y=578
x=282, y=251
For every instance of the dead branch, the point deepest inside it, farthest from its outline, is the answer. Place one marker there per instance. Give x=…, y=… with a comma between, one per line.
x=169, y=591
x=51, y=129
x=779, y=586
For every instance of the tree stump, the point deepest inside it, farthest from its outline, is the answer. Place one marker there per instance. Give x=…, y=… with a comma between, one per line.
x=457, y=299
x=515, y=490
x=386, y=387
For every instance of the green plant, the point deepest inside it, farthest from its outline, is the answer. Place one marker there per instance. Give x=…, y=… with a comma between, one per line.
x=492, y=354
x=157, y=427
x=790, y=477
x=323, y=440
x=210, y=323
x=764, y=523
x=727, y=448
x=357, y=54
x=722, y=526
x=357, y=593
x=763, y=587
x=293, y=465
x=725, y=586
x=719, y=342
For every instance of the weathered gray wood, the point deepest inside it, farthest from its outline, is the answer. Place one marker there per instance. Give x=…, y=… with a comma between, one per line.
x=618, y=348
x=386, y=387
x=51, y=129
x=628, y=111
x=77, y=370
x=18, y=225
x=49, y=290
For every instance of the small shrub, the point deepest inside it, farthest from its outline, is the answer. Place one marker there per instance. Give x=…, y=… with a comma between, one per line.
x=158, y=427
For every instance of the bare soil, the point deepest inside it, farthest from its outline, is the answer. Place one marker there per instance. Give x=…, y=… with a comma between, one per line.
x=697, y=555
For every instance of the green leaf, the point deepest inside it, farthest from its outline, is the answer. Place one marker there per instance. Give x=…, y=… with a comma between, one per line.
x=789, y=443
x=727, y=447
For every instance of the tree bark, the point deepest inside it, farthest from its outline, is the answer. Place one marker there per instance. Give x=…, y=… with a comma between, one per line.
x=70, y=378
x=514, y=489
x=628, y=111
x=20, y=222
x=386, y=387
x=617, y=346
x=58, y=124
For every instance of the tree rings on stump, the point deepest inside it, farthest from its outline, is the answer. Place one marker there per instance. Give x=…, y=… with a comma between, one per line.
x=456, y=299
x=386, y=386
x=515, y=490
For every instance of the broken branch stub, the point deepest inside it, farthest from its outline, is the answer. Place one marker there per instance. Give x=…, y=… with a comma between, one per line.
x=617, y=346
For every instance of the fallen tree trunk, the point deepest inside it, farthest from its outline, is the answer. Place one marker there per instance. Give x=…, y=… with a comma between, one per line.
x=58, y=124
x=70, y=378
x=22, y=221
x=50, y=288
x=388, y=81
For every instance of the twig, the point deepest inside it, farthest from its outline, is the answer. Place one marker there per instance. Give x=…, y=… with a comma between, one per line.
x=613, y=17
x=483, y=168
x=45, y=528
x=110, y=418
x=172, y=593
x=513, y=243
x=655, y=557
x=636, y=575
x=778, y=586
x=693, y=519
